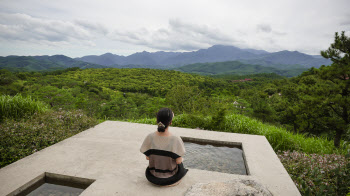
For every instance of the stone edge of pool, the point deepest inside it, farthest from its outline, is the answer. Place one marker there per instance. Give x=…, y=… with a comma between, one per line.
x=109, y=154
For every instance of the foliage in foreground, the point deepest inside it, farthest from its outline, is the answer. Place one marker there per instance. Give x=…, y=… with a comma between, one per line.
x=21, y=138
x=315, y=174
x=279, y=138
x=18, y=106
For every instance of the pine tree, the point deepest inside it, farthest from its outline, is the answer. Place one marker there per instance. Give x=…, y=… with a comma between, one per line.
x=336, y=76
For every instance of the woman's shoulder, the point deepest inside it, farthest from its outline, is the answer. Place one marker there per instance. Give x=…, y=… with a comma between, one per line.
x=174, y=135
x=149, y=137
x=178, y=145
x=176, y=139
x=151, y=134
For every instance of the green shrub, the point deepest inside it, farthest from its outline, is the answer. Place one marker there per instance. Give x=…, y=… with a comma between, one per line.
x=17, y=106
x=315, y=174
x=151, y=121
x=280, y=138
x=192, y=121
x=21, y=138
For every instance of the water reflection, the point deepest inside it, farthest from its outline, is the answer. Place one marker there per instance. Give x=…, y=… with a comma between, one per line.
x=213, y=158
x=47, y=189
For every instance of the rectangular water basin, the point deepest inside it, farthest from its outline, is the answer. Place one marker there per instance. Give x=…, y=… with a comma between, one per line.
x=211, y=155
x=50, y=184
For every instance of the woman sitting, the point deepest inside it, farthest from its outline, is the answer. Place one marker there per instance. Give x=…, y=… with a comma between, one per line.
x=164, y=152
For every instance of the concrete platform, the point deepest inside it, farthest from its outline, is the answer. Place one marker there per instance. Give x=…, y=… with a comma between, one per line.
x=109, y=153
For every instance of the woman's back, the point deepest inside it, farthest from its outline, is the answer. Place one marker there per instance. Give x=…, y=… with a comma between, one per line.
x=162, y=152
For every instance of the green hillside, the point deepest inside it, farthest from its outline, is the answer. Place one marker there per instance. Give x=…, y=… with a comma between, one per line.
x=25, y=63
x=151, y=81
x=113, y=93
x=236, y=68
x=59, y=62
x=263, y=76
x=265, y=63
x=42, y=63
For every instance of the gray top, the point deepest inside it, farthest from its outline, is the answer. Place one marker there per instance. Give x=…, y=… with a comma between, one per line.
x=159, y=150
x=170, y=143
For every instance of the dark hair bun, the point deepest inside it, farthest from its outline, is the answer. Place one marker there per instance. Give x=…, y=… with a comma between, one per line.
x=161, y=129
x=164, y=118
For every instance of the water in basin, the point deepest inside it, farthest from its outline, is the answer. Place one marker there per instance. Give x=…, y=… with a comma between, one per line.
x=214, y=158
x=48, y=189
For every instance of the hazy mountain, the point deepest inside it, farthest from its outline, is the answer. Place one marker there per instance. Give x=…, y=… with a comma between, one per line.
x=256, y=51
x=216, y=53
x=105, y=59
x=236, y=67
x=163, y=56
x=317, y=56
x=283, y=60
x=42, y=63
x=293, y=57
x=141, y=58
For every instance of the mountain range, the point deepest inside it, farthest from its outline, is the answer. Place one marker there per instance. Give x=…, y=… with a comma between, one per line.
x=218, y=59
x=216, y=53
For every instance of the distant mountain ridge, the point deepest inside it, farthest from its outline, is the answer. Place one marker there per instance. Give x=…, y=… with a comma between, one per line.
x=43, y=63
x=217, y=59
x=236, y=68
x=216, y=53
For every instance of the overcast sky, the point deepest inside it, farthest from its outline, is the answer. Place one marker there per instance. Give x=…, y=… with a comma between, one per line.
x=80, y=27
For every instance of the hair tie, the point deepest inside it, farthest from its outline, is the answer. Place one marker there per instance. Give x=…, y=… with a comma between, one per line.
x=160, y=124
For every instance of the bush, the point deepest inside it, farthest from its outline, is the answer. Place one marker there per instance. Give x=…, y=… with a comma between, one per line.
x=185, y=99
x=280, y=138
x=18, y=106
x=6, y=77
x=315, y=174
x=21, y=138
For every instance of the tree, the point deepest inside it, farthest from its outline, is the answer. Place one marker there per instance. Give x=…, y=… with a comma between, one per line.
x=336, y=78
x=185, y=99
x=55, y=97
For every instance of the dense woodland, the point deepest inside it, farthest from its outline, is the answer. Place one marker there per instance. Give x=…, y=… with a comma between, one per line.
x=297, y=103
x=239, y=68
x=295, y=114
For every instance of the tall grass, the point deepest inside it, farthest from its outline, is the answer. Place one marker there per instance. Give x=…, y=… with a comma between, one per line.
x=15, y=107
x=279, y=138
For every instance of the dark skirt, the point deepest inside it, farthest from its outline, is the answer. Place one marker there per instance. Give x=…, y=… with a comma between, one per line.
x=167, y=181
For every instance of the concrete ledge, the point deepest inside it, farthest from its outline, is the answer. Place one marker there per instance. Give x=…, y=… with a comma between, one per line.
x=51, y=178
x=109, y=153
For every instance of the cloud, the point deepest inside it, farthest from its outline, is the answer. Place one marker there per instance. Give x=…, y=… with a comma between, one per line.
x=344, y=20
x=178, y=35
x=23, y=27
x=92, y=27
x=264, y=28
x=345, y=23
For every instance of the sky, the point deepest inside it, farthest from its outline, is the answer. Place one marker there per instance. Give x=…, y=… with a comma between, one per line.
x=77, y=28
